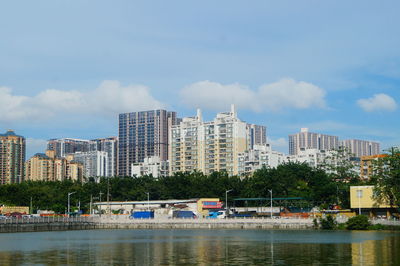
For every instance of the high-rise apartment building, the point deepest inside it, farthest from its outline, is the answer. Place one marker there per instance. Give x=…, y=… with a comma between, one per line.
x=208, y=146
x=258, y=135
x=110, y=146
x=95, y=163
x=66, y=146
x=308, y=140
x=361, y=147
x=12, y=158
x=48, y=167
x=141, y=135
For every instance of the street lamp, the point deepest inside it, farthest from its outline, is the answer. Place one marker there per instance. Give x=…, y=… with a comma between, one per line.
x=359, y=196
x=270, y=192
x=226, y=202
x=148, y=201
x=69, y=194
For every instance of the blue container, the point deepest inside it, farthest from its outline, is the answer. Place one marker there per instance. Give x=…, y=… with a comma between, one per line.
x=143, y=215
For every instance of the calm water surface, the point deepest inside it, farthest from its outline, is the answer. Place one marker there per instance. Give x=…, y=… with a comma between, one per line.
x=200, y=247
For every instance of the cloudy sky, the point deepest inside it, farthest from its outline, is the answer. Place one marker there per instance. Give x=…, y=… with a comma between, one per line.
x=67, y=68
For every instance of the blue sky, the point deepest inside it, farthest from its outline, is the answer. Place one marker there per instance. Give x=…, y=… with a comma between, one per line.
x=67, y=68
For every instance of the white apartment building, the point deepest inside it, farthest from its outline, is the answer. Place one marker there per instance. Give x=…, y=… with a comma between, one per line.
x=208, y=146
x=313, y=157
x=258, y=157
x=95, y=163
x=150, y=166
x=308, y=140
x=361, y=147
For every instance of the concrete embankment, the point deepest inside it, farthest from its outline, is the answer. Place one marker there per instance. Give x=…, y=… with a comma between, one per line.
x=63, y=224
x=111, y=223
x=45, y=224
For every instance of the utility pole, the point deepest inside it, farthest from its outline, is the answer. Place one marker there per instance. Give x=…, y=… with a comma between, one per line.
x=148, y=201
x=108, y=196
x=90, y=206
x=101, y=193
x=31, y=207
x=226, y=202
x=69, y=194
x=270, y=192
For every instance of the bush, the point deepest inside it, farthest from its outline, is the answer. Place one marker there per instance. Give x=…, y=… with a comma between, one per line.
x=376, y=227
x=329, y=223
x=359, y=222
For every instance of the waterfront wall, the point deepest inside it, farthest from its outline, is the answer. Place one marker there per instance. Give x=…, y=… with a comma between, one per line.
x=41, y=224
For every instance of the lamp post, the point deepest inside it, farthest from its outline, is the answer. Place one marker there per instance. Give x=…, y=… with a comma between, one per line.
x=148, y=201
x=69, y=194
x=270, y=192
x=359, y=196
x=226, y=202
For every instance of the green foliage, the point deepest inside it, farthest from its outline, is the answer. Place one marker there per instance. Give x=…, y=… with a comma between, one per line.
x=386, y=178
x=377, y=227
x=328, y=223
x=360, y=222
x=287, y=180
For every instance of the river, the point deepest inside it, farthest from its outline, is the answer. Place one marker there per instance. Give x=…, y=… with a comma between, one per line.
x=201, y=247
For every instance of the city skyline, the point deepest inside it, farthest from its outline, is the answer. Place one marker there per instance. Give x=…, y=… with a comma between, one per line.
x=330, y=67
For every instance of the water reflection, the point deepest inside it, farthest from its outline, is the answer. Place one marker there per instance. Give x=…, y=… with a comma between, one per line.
x=200, y=247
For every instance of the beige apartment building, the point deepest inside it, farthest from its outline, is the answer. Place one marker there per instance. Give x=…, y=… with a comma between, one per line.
x=208, y=146
x=12, y=158
x=48, y=167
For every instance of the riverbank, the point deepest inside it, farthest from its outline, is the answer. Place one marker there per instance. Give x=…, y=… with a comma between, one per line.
x=123, y=222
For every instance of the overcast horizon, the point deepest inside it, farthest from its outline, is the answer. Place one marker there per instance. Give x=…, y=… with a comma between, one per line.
x=68, y=68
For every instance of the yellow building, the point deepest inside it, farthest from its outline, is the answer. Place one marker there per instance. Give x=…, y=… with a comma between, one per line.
x=362, y=201
x=208, y=146
x=12, y=158
x=366, y=165
x=46, y=167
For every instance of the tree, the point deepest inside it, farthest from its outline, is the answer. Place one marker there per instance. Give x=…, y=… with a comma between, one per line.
x=386, y=178
x=359, y=222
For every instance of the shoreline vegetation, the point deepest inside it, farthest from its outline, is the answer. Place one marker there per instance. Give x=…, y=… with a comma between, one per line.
x=314, y=185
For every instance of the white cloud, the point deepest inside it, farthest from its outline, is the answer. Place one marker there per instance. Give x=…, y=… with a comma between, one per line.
x=379, y=102
x=283, y=94
x=216, y=96
x=109, y=98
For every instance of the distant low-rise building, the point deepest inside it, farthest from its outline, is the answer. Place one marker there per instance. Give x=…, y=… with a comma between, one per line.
x=362, y=201
x=367, y=163
x=151, y=166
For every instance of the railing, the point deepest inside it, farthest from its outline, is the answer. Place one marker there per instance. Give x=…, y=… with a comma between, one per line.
x=48, y=219
x=165, y=220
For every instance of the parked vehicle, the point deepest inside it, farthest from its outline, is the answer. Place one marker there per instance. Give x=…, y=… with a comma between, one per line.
x=216, y=215
x=184, y=214
x=142, y=215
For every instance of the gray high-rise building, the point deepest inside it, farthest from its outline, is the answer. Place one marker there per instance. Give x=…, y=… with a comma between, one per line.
x=308, y=140
x=258, y=135
x=361, y=147
x=66, y=146
x=141, y=135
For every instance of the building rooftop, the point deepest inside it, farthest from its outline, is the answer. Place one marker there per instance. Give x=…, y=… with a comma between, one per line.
x=10, y=133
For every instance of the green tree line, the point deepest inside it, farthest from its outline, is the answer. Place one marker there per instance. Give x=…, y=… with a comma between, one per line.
x=287, y=180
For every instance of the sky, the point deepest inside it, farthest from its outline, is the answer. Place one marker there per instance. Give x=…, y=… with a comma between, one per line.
x=68, y=68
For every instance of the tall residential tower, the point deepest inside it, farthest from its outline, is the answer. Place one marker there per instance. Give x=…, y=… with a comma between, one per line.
x=12, y=158
x=142, y=135
x=308, y=140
